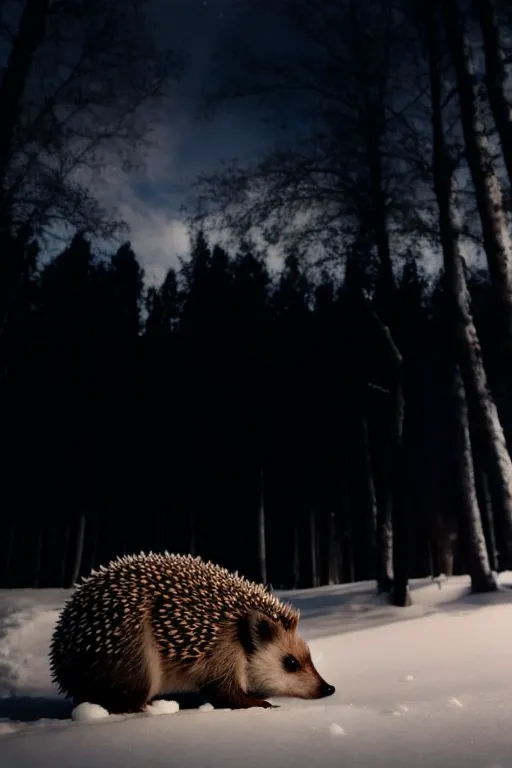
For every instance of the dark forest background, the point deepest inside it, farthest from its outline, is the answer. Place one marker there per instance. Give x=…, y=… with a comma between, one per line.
x=168, y=420
x=346, y=417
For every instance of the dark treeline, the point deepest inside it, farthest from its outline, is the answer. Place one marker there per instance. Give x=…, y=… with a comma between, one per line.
x=190, y=416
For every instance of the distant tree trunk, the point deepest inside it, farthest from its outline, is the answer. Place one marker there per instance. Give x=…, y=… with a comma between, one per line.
x=349, y=551
x=94, y=547
x=400, y=594
x=313, y=547
x=442, y=547
x=482, y=578
x=79, y=549
x=262, y=555
x=296, y=557
x=391, y=513
x=481, y=404
x=485, y=505
x=495, y=79
x=64, y=560
x=38, y=558
x=385, y=292
x=384, y=547
x=496, y=235
x=395, y=511
x=333, y=550
x=370, y=499
x=12, y=87
x=445, y=551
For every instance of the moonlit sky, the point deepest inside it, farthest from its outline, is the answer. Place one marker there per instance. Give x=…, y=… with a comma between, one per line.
x=184, y=144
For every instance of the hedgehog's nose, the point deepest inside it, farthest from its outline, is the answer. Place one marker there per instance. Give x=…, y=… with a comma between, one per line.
x=327, y=690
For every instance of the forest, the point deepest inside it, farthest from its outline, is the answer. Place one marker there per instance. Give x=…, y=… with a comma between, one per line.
x=345, y=416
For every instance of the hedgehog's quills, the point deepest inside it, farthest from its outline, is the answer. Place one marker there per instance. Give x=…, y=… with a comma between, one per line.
x=155, y=624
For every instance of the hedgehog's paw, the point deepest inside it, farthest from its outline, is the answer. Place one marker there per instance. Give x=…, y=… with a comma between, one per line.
x=232, y=698
x=268, y=705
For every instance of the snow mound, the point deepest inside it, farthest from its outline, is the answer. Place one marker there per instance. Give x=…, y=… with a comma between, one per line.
x=162, y=707
x=86, y=712
x=26, y=626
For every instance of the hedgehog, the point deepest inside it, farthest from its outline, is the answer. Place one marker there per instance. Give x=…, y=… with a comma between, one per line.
x=163, y=623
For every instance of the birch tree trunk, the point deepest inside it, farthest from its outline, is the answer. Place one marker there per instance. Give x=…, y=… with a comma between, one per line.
x=481, y=403
x=485, y=503
x=495, y=78
x=496, y=236
x=262, y=555
x=477, y=559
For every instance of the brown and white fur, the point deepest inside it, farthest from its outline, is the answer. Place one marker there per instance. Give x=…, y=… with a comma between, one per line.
x=160, y=624
x=254, y=658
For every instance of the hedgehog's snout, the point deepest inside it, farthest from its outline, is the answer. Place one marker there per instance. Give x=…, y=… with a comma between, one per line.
x=325, y=690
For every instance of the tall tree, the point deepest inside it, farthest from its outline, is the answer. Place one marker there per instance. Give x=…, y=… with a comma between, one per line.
x=496, y=236
x=466, y=343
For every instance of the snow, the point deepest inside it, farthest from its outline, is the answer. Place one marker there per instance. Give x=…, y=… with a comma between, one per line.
x=425, y=686
x=162, y=707
x=86, y=711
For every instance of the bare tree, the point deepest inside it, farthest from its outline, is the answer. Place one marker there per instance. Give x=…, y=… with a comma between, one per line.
x=466, y=343
x=496, y=236
x=76, y=95
x=338, y=72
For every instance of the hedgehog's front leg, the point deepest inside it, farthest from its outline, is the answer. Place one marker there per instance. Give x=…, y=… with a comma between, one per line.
x=232, y=697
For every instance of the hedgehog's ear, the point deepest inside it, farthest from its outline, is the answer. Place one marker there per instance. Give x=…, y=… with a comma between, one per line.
x=255, y=630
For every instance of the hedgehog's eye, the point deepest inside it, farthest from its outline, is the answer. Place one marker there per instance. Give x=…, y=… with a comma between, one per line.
x=291, y=664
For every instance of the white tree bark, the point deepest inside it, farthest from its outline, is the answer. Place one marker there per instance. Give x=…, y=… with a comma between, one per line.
x=482, y=578
x=496, y=235
x=481, y=404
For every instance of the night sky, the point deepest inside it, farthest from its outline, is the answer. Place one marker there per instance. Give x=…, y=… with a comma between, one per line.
x=186, y=145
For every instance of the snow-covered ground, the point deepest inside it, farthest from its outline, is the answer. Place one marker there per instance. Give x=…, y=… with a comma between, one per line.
x=429, y=686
